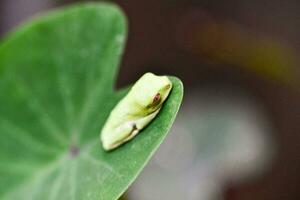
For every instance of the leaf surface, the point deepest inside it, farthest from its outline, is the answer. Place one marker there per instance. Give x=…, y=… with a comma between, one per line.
x=57, y=76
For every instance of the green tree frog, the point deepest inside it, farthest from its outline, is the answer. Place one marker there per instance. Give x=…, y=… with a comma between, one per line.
x=136, y=110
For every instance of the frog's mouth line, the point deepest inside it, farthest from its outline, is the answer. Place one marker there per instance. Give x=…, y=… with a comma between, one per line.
x=155, y=109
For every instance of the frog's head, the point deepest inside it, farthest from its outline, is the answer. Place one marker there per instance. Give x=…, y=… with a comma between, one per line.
x=150, y=91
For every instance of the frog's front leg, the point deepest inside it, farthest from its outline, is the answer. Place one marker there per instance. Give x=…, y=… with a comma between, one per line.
x=119, y=135
x=142, y=122
x=126, y=131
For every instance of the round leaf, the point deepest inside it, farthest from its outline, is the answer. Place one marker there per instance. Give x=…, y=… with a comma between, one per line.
x=57, y=74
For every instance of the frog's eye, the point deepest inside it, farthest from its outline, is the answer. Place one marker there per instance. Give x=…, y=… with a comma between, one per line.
x=168, y=86
x=156, y=99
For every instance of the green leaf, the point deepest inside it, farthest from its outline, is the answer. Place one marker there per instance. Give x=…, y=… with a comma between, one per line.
x=56, y=90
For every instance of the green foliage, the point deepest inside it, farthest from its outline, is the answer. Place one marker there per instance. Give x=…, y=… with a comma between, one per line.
x=56, y=90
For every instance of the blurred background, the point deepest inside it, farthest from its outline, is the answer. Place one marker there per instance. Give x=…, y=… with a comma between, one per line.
x=237, y=136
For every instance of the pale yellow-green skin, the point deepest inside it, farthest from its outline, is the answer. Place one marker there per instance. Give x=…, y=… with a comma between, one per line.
x=136, y=110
